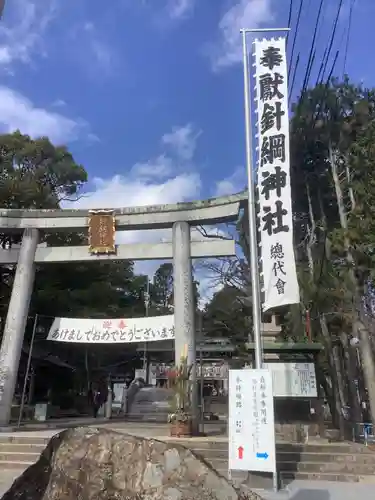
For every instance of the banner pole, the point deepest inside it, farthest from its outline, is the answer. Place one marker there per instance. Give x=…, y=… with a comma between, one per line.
x=254, y=262
x=253, y=243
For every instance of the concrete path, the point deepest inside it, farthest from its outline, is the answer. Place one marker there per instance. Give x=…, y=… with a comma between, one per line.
x=141, y=429
x=297, y=490
x=6, y=479
x=322, y=490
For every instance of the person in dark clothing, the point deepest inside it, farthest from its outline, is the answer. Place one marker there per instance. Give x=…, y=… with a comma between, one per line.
x=96, y=402
x=99, y=397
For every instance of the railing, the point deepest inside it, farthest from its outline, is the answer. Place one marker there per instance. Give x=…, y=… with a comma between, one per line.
x=364, y=432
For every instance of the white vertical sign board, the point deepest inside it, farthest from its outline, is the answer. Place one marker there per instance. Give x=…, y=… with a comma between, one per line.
x=279, y=273
x=251, y=437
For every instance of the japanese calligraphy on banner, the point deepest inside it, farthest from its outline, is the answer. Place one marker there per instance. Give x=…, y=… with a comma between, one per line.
x=112, y=331
x=275, y=205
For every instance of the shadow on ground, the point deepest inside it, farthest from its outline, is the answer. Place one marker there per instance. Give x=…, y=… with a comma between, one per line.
x=306, y=494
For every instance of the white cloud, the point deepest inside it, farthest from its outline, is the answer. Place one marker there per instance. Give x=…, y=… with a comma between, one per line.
x=155, y=182
x=160, y=168
x=232, y=184
x=103, y=53
x=22, y=28
x=19, y=113
x=122, y=191
x=182, y=141
x=180, y=9
x=59, y=103
x=181, y=144
x=244, y=14
x=92, y=51
x=126, y=191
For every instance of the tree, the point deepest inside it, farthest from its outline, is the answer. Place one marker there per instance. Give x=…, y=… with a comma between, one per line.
x=333, y=189
x=331, y=129
x=229, y=312
x=88, y=290
x=36, y=174
x=33, y=174
x=162, y=289
x=228, y=315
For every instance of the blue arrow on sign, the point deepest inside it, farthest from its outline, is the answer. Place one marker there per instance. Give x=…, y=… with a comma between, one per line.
x=263, y=456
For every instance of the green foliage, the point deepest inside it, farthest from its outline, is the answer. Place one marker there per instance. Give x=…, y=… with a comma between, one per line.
x=35, y=173
x=162, y=289
x=228, y=315
x=333, y=181
x=333, y=119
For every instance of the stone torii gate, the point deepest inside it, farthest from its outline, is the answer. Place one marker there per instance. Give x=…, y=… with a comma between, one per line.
x=180, y=217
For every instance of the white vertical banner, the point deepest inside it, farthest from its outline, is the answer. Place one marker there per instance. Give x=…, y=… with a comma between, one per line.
x=279, y=273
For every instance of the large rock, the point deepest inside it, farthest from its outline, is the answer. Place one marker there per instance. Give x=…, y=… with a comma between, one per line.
x=96, y=464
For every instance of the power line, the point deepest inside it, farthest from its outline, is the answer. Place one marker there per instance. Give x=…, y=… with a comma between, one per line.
x=289, y=19
x=295, y=36
x=333, y=67
x=348, y=36
x=321, y=67
x=332, y=37
x=294, y=77
x=322, y=70
x=309, y=68
x=310, y=59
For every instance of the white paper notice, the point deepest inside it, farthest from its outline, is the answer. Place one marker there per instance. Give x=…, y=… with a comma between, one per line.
x=251, y=421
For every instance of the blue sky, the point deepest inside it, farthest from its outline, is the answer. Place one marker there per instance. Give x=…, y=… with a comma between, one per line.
x=147, y=94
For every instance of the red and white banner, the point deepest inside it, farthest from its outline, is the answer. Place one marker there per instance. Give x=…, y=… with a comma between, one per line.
x=112, y=331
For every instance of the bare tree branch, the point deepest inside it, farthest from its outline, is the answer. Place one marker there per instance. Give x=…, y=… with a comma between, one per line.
x=77, y=198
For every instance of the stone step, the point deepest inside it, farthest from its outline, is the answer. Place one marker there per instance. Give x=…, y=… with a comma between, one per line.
x=310, y=467
x=287, y=477
x=16, y=457
x=27, y=440
x=327, y=468
x=16, y=465
x=21, y=448
x=329, y=448
x=146, y=410
x=238, y=477
x=333, y=448
x=158, y=417
x=357, y=458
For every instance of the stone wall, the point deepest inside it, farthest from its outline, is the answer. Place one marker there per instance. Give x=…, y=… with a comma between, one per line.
x=296, y=432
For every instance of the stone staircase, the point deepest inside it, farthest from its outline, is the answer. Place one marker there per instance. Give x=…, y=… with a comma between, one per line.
x=19, y=452
x=324, y=461
x=347, y=462
x=150, y=404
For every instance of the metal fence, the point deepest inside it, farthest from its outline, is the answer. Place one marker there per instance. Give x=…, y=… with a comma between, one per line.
x=364, y=433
